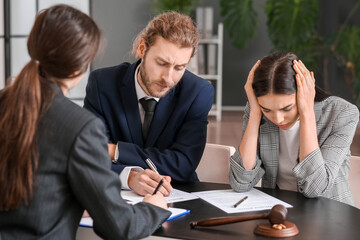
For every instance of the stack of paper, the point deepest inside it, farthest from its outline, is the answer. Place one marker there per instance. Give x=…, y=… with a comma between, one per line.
x=226, y=199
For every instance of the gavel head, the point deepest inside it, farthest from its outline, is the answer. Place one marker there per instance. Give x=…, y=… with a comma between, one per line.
x=277, y=214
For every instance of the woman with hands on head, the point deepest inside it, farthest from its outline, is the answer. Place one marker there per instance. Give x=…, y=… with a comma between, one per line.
x=295, y=136
x=54, y=161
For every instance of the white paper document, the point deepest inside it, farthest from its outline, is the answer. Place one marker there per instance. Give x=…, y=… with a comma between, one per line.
x=175, y=196
x=86, y=222
x=175, y=213
x=225, y=200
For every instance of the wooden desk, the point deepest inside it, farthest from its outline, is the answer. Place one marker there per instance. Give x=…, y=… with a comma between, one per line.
x=318, y=218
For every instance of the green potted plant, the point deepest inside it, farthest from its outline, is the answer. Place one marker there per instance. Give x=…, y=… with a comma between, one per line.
x=292, y=26
x=183, y=6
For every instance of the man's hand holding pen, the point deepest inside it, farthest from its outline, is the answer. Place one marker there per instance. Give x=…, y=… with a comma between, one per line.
x=151, y=182
x=146, y=181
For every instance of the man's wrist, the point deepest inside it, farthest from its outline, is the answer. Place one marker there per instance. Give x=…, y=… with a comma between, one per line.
x=124, y=175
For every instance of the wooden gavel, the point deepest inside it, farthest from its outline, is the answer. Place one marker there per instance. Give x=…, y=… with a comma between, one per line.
x=276, y=215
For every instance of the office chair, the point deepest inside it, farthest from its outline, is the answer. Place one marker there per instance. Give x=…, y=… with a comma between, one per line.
x=214, y=165
x=354, y=179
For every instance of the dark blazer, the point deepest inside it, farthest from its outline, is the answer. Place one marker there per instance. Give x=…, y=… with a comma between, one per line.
x=74, y=174
x=177, y=134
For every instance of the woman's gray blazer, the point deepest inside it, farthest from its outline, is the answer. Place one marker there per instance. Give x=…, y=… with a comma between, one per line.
x=324, y=172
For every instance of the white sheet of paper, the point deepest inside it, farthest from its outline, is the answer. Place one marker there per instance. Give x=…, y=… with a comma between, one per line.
x=86, y=222
x=175, y=212
x=175, y=196
x=225, y=200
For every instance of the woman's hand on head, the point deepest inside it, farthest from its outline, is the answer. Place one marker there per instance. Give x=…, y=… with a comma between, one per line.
x=305, y=82
x=254, y=105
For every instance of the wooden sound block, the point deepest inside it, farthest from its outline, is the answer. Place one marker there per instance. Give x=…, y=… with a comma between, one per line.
x=268, y=231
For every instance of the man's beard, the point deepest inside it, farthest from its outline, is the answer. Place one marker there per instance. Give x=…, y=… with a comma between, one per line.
x=147, y=84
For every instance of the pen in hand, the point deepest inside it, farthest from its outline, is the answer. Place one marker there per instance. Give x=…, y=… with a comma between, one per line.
x=158, y=186
x=151, y=165
x=240, y=201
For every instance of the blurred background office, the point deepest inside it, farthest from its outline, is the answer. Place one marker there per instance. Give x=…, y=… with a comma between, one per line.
x=325, y=34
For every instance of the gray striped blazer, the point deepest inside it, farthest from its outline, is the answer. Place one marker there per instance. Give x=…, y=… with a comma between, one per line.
x=324, y=172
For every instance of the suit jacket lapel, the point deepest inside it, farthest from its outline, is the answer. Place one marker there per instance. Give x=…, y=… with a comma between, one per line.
x=162, y=113
x=130, y=104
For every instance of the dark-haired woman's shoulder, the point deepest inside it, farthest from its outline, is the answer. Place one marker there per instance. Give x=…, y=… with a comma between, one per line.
x=336, y=107
x=72, y=113
x=67, y=119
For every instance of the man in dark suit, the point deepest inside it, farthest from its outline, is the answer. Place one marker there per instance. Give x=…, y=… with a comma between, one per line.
x=177, y=134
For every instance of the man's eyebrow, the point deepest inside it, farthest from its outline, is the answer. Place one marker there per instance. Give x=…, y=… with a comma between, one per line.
x=167, y=62
x=162, y=59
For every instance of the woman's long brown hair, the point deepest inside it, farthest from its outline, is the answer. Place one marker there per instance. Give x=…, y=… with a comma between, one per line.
x=62, y=41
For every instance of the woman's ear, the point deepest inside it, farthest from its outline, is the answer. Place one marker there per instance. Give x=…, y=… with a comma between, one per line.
x=72, y=81
x=141, y=49
x=75, y=74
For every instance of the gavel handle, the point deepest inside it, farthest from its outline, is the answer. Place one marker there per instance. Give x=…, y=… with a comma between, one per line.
x=226, y=220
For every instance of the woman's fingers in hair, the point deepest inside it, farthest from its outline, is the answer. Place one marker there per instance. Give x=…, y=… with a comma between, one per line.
x=298, y=82
x=250, y=91
x=305, y=82
x=312, y=76
x=252, y=72
x=256, y=65
x=304, y=73
x=299, y=73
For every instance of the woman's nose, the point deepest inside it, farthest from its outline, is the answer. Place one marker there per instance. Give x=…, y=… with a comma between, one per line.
x=278, y=118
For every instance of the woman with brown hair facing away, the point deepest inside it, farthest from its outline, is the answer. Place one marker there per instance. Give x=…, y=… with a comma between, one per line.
x=54, y=161
x=295, y=136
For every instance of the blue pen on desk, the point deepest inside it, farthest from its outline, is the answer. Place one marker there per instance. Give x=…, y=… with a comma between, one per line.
x=151, y=165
